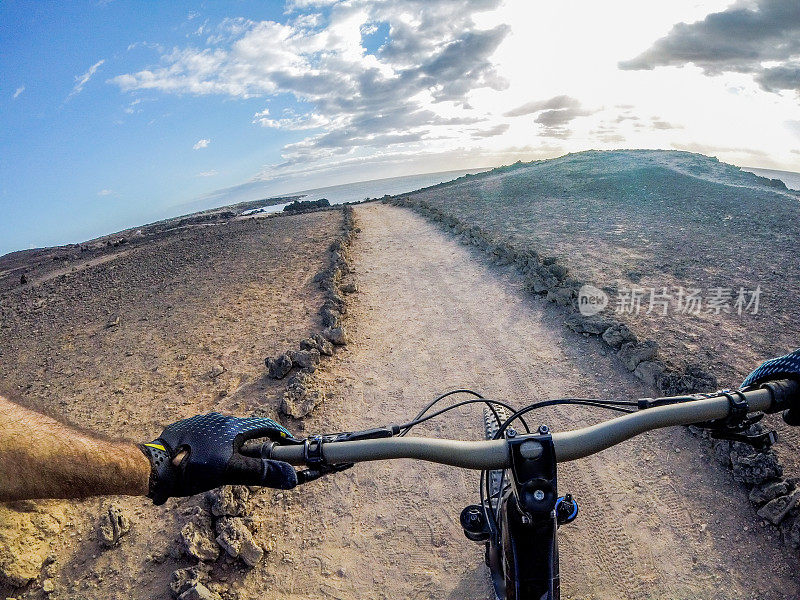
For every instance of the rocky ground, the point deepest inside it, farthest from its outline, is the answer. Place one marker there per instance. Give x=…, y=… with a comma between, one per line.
x=130, y=339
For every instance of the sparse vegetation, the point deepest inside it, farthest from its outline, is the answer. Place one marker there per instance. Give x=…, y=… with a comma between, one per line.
x=299, y=206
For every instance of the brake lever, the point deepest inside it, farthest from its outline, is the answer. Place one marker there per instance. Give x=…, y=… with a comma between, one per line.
x=313, y=450
x=760, y=441
x=735, y=426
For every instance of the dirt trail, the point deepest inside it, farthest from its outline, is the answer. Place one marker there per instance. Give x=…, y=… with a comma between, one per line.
x=659, y=518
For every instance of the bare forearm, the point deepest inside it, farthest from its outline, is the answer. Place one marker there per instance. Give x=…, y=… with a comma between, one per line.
x=42, y=458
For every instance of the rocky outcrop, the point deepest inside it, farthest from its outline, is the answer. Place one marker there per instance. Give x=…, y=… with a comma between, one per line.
x=114, y=524
x=235, y=538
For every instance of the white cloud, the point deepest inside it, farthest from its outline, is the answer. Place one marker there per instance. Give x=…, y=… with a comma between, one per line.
x=766, y=37
x=465, y=78
x=82, y=80
x=210, y=173
x=290, y=120
x=20, y=89
x=414, y=91
x=201, y=144
x=131, y=108
x=105, y=192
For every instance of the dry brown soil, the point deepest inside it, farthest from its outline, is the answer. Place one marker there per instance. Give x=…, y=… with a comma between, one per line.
x=224, y=294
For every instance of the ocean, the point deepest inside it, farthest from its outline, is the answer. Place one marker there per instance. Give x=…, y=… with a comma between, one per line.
x=355, y=192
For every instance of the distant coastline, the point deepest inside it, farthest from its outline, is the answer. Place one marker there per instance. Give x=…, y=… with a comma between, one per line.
x=791, y=179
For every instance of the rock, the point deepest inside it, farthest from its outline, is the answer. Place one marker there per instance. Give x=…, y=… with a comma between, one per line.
x=337, y=303
x=618, y=334
x=751, y=467
x=308, y=344
x=775, y=510
x=323, y=345
x=48, y=586
x=216, y=371
x=199, y=592
x=330, y=317
x=197, y=538
x=631, y=354
x=791, y=534
x=183, y=579
x=701, y=379
x=22, y=279
x=693, y=380
x=229, y=500
x=581, y=324
x=235, y=538
x=538, y=285
x=649, y=371
x=558, y=271
x=722, y=451
x=301, y=396
x=761, y=494
x=113, y=322
x=279, y=366
x=349, y=288
x=26, y=529
x=335, y=335
x=305, y=359
x=560, y=295
x=114, y=523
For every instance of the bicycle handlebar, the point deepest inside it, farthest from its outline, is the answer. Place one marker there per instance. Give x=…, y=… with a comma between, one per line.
x=568, y=445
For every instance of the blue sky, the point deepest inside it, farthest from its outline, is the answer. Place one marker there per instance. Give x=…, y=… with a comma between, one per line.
x=117, y=113
x=91, y=151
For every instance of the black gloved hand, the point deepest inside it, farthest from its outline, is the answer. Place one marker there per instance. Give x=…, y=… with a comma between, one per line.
x=213, y=444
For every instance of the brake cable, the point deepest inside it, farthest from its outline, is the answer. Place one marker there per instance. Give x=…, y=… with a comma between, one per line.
x=407, y=426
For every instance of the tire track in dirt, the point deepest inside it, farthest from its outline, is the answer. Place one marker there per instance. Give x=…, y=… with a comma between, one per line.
x=429, y=318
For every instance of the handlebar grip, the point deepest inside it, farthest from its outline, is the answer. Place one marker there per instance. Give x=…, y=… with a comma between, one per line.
x=785, y=397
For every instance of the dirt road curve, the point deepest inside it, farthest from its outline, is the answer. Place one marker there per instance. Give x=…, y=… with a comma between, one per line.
x=658, y=518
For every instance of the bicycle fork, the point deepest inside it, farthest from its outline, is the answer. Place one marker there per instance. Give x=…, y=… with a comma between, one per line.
x=523, y=555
